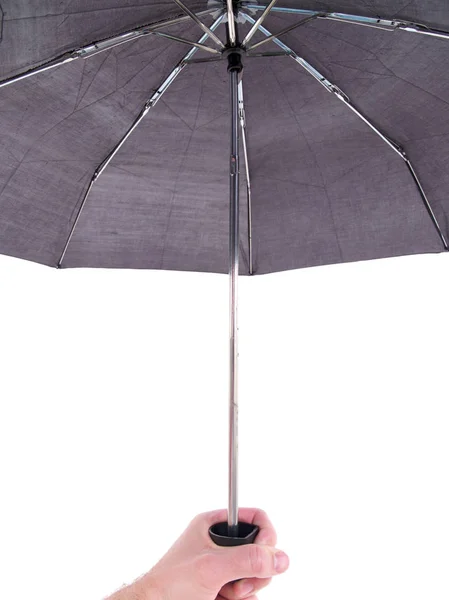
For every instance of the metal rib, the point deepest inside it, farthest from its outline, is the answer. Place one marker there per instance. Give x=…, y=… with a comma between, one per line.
x=264, y=54
x=377, y=23
x=282, y=9
x=248, y=180
x=231, y=23
x=427, y=203
x=151, y=102
x=204, y=27
x=188, y=42
x=387, y=24
x=204, y=60
x=345, y=99
x=330, y=87
x=60, y=60
x=97, y=47
x=259, y=21
x=286, y=30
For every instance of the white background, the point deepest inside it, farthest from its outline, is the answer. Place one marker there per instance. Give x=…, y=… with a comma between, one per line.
x=113, y=424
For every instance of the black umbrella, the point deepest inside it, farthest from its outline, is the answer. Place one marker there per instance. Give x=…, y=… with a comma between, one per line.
x=343, y=128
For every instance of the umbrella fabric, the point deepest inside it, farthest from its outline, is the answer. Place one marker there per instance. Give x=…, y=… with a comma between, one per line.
x=325, y=188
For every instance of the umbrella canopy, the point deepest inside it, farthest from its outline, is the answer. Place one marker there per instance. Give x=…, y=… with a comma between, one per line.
x=347, y=138
x=114, y=148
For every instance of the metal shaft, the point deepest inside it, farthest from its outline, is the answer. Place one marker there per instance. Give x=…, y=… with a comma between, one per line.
x=233, y=271
x=231, y=22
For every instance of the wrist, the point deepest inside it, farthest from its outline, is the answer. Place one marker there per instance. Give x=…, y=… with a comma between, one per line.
x=147, y=588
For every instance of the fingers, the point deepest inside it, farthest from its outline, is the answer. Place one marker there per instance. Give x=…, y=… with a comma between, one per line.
x=244, y=588
x=220, y=597
x=248, y=562
x=267, y=534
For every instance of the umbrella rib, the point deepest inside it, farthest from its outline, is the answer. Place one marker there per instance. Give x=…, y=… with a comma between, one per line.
x=426, y=201
x=151, y=102
x=204, y=60
x=188, y=42
x=376, y=22
x=330, y=87
x=265, y=54
x=248, y=179
x=231, y=22
x=99, y=46
x=204, y=27
x=249, y=36
x=286, y=30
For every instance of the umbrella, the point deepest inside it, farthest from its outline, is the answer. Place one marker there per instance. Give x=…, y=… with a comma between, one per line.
x=115, y=140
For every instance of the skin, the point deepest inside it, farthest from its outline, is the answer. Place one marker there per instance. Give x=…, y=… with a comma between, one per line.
x=196, y=569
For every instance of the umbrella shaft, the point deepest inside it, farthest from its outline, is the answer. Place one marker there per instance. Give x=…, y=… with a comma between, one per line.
x=233, y=271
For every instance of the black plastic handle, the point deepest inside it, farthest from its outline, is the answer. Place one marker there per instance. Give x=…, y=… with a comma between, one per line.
x=246, y=534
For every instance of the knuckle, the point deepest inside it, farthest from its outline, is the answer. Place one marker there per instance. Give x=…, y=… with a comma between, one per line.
x=194, y=520
x=205, y=517
x=262, y=514
x=199, y=517
x=257, y=560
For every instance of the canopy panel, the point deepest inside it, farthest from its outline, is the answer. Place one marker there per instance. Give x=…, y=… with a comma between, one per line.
x=36, y=32
x=431, y=12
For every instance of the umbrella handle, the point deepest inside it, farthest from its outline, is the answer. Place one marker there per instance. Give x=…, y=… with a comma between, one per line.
x=246, y=534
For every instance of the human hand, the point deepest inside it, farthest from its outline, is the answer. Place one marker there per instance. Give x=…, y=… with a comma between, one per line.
x=197, y=569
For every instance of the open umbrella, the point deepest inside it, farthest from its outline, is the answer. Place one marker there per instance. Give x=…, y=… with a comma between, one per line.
x=115, y=150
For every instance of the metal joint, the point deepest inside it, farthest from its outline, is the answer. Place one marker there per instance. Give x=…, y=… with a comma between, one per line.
x=337, y=91
x=399, y=148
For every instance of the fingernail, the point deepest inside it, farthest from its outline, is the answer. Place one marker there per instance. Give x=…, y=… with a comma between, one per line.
x=281, y=562
x=246, y=588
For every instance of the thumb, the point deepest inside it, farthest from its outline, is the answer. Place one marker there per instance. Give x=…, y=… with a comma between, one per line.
x=252, y=560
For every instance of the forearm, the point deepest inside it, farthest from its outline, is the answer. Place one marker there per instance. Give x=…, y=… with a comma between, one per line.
x=142, y=589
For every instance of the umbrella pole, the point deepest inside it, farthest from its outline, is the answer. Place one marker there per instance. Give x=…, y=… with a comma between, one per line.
x=233, y=272
x=233, y=532
x=234, y=69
